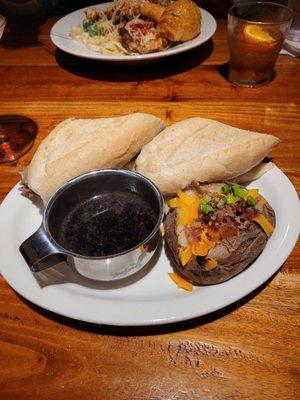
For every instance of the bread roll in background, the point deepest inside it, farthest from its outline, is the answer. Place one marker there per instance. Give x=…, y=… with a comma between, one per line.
x=152, y=11
x=77, y=146
x=203, y=150
x=180, y=22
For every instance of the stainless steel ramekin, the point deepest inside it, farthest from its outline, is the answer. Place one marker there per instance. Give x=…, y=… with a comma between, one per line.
x=42, y=250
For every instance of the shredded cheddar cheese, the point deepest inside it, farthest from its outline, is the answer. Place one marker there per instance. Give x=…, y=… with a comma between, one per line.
x=207, y=240
x=264, y=223
x=175, y=203
x=186, y=255
x=180, y=282
x=200, y=249
x=210, y=263
x=188, y=199
x=253, y=193
x=187, y=208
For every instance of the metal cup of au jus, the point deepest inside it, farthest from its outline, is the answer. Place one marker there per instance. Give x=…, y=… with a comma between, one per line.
x=104, y=223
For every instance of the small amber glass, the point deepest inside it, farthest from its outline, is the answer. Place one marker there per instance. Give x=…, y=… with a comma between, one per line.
x=256, y=32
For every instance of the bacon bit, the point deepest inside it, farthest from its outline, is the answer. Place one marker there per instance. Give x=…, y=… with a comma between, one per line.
x=193, y=234
x=264, y=223
x=180, y=282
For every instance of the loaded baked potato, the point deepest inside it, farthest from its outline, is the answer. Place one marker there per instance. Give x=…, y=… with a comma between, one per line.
x=215, y=231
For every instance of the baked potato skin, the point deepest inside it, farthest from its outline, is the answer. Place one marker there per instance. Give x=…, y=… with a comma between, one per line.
x=233, y=254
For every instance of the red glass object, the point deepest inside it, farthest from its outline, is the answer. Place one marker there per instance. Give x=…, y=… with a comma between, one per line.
x=17, y=135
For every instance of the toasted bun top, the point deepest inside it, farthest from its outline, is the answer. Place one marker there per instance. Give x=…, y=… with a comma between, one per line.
x=77, y=146
x=203, y=150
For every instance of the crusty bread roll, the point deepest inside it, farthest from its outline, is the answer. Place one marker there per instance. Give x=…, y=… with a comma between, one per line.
x=180, y=22
x=77, y=146
x=202, y=150
x=152, y=11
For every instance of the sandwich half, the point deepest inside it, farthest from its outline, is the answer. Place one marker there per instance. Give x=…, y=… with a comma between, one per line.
x=202, y=150
x=77, y=146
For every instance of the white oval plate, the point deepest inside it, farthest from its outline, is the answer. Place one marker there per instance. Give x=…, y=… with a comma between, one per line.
x=60, y=37
x=153, y=299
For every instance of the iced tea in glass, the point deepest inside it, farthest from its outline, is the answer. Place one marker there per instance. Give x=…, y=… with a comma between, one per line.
x=256, y=32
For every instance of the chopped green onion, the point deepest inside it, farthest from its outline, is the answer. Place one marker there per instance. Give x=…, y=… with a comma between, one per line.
x=87, y=23
x=94, y=28
x=238, y=191
x=244, y=204
x=230, y=199
x=250, y=201
x=206, y=208
x=221, y=202
x=205, y=199
x=225, y=189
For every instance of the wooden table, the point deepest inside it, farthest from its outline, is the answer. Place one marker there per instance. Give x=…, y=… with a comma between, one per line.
x=247, y=351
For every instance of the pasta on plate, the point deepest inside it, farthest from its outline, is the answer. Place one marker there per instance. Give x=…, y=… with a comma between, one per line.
x=129, y=27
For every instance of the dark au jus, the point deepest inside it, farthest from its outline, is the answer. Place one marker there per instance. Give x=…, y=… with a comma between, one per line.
x=107, y=224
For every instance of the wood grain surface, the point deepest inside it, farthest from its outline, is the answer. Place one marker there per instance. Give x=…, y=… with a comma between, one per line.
x=246, y=351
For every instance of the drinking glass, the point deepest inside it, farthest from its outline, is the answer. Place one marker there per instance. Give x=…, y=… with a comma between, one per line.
x=256, y=32
x=294, y=33
x=2, y=25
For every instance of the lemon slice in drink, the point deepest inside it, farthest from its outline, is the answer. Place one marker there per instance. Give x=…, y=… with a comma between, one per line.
x=256, y=34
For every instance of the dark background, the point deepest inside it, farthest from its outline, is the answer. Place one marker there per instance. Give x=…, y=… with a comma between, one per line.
x=30, y=9
x=36, y=9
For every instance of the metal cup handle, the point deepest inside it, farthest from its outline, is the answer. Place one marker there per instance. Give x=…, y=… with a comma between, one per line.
x=39, y=252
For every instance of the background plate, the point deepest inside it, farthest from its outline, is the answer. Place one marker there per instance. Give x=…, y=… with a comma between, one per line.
x=60, y=37
x=153, y=298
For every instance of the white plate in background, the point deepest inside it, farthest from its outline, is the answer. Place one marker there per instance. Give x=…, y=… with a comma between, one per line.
x=60, y=37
